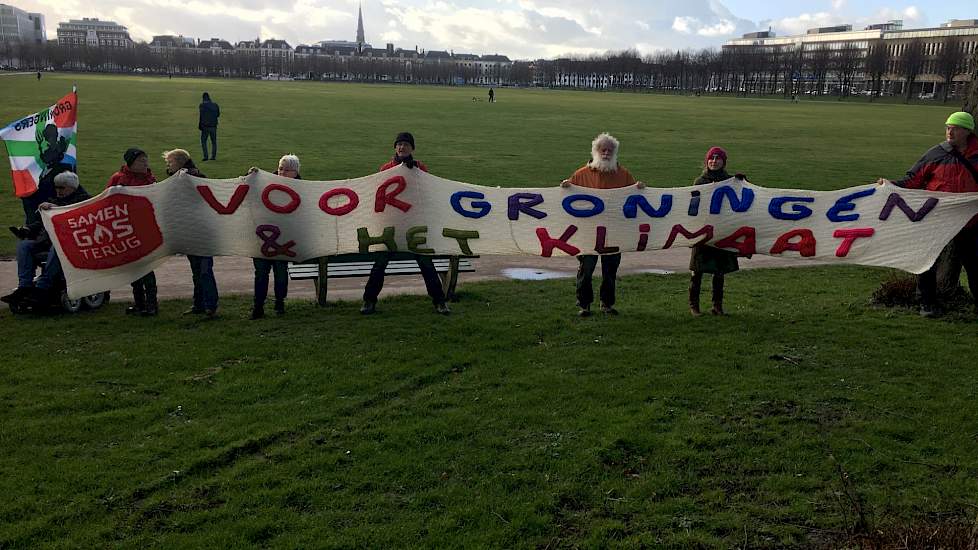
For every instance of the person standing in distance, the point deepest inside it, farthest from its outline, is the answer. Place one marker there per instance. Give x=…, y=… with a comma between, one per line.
x=207, y=124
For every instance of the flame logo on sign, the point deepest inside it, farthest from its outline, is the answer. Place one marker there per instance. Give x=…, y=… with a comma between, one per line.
x=102, y=234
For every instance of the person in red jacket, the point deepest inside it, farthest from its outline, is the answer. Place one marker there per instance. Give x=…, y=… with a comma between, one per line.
x=950, y=166
x=403, y=154
x=136, y=173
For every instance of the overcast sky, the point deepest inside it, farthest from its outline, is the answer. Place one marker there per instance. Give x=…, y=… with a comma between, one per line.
x=521, y=29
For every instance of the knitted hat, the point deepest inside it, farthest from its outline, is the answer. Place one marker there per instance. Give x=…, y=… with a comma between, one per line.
x=404, y=136
x=717, y=152
x=132, y=154
x=962, y=119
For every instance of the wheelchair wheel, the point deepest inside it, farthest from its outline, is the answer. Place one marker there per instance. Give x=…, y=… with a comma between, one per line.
x=95, y=301
x=69, y=305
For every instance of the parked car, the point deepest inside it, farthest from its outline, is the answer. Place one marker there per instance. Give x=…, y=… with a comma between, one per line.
x=927, y=95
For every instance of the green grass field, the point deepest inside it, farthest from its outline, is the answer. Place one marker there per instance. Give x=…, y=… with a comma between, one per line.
x=805, y=419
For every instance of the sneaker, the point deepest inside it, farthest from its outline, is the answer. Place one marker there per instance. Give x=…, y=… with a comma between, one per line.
x=442, y=309
x=368, y=308
x=585, y=311
x=134, y=310
x=150, y=311
x=257, y=313
x=608, y=310
x=210, y=313
x=193, y=311
x=718, y=310
x=927, y=310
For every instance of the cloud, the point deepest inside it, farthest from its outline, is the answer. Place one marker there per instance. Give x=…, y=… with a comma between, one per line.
x=692, y=25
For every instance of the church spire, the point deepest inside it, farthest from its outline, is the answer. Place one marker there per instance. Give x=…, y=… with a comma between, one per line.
x=361, y=40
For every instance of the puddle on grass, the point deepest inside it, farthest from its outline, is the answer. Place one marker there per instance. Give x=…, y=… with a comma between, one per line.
x=533, y=274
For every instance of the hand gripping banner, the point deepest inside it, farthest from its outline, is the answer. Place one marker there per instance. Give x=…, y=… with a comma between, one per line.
x=126, y=232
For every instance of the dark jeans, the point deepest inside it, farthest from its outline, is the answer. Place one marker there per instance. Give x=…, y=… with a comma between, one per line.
x=609, y=271
x=205, y=285
x=696, y=281
x=211, y=132
x=262, y=268
x=376, y=281
x=27, y=266
x=144, y=291
x=965, y=249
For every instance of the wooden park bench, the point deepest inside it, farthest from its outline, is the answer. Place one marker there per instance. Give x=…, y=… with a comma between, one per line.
x=359, y=265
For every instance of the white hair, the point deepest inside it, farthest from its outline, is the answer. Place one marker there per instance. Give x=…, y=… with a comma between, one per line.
x=67, y=179
x=596, y=161
x=289, y=162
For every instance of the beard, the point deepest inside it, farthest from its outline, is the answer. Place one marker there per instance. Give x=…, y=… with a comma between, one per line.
x=602, y=165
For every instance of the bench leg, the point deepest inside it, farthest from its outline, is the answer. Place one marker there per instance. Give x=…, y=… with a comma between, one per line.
x=449, y=279
x=320, y=282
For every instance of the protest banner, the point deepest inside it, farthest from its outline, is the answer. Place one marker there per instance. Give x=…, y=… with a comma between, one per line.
x=125, y=232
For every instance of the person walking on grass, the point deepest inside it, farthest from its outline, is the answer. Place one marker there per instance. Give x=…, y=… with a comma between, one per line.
x=288, y=167
x=601, y=172
x=136, y=173
x=950, y=166
x=201, y=267
x=207, y=123
x=403, y=154
x=706, y=259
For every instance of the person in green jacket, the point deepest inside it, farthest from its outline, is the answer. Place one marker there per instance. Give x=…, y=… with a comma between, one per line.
x=707, y=259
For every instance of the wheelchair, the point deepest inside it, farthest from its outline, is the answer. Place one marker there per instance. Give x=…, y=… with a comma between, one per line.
x=58, y=299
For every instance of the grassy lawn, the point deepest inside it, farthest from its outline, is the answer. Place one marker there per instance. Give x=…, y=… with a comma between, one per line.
x=530, y=138
x=510, y=423
x=806, y=418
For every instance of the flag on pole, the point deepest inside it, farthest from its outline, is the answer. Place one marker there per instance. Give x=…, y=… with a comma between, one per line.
x=38, y=142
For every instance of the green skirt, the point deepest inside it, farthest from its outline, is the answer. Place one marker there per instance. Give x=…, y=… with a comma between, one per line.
x=706, y=259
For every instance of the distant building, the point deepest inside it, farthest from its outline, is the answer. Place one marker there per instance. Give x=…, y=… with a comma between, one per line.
x=891, y=35
x=94, y=33
x=17, y=25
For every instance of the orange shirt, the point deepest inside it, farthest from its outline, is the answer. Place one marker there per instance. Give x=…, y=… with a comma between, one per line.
x=586, y=176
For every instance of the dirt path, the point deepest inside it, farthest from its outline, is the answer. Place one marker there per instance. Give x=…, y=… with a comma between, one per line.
x=236, y=275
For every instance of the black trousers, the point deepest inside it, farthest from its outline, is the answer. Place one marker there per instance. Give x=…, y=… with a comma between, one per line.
x=585, y=272
x=377, y=273
x=965, y=246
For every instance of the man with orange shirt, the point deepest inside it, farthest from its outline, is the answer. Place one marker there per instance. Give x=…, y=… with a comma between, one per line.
x=602, y=172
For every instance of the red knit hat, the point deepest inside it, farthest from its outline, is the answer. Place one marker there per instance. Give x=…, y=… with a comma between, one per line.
x=717, y=152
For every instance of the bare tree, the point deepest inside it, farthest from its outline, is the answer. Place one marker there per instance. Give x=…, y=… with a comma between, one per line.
x=911, y=64
x=950, y=62
x=847, y=62
x=877, y=58
x=971, y=101
x=819, y=61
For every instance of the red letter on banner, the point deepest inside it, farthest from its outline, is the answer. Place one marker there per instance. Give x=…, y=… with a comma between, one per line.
x=548, y=243
x=350, y=195
x=288, y=208
x=385, y=197
x=805, y=245
x=743, y=239
x=236, y=199
x=849, y=236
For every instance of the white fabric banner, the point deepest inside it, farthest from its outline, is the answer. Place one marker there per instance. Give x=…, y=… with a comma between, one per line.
x=126, y=232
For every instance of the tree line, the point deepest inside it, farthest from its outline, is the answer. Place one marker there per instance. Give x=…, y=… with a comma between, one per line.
x=839, y=69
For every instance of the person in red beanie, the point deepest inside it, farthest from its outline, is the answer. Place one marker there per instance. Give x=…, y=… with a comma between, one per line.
x=704, y=258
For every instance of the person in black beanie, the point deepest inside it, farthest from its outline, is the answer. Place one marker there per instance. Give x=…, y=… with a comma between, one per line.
x=136, y=173
x=403, y=154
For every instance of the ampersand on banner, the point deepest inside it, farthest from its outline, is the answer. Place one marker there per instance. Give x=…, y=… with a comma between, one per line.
x=270, y=247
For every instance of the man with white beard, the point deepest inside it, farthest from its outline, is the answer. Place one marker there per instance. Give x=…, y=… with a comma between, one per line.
x=602, y=172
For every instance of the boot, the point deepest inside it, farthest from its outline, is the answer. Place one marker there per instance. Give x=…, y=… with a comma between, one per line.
x=695, y=281
x=717, y=297
x=279, y=307
x=257, y=312
x=138, y=302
